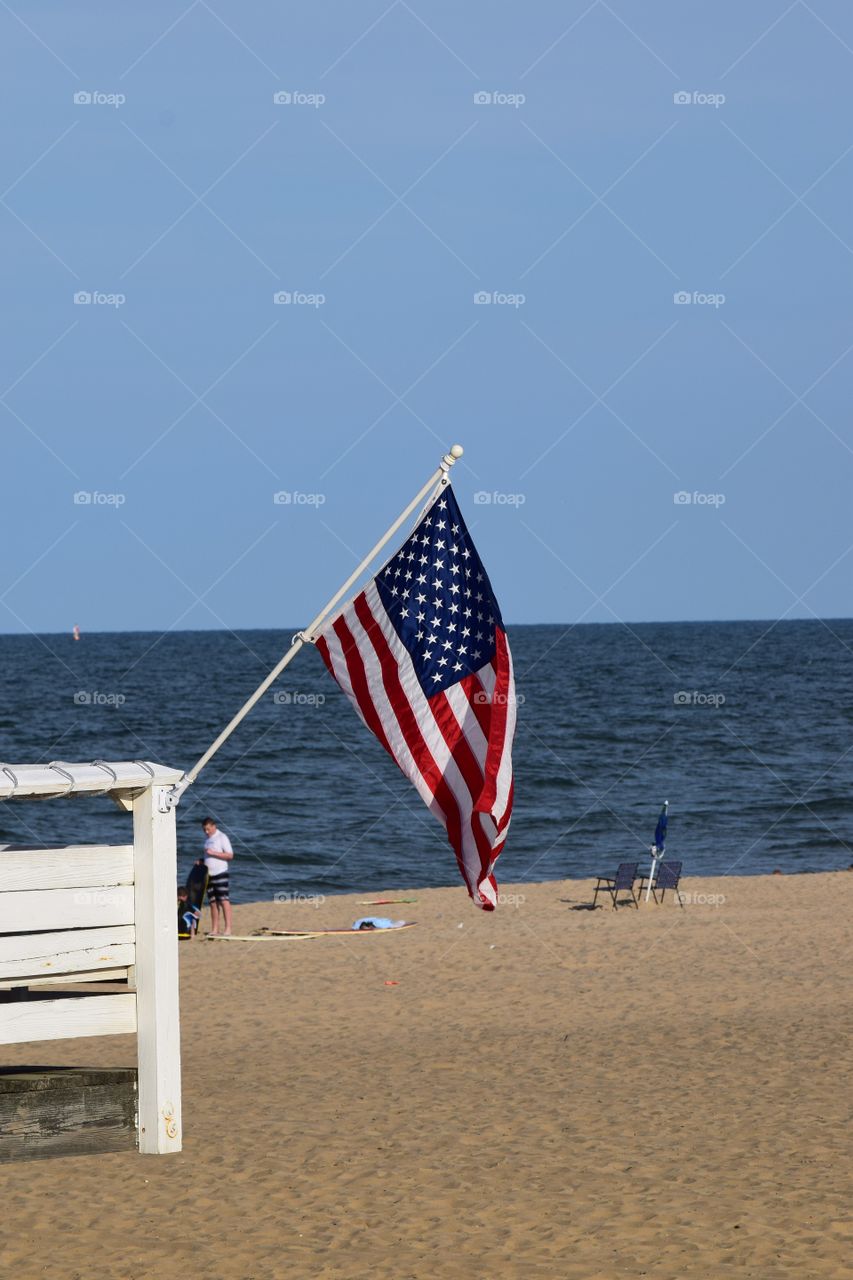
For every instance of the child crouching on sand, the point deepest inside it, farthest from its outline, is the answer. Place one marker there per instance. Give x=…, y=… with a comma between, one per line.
x=188, y=915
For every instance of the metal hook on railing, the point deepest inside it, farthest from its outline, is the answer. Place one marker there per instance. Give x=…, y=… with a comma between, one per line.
x=10, y=773
x=102, y=764
x=57, y=768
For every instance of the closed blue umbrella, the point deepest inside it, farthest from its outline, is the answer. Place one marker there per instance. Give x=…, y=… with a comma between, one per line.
x=660, y=829
x=658, y=847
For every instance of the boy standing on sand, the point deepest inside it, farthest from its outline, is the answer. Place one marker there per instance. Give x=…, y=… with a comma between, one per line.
x=217, y=854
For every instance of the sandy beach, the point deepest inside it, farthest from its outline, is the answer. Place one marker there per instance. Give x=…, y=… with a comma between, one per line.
x=542, y=1092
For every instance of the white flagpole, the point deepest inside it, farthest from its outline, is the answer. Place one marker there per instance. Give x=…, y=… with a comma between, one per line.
x=439, y=477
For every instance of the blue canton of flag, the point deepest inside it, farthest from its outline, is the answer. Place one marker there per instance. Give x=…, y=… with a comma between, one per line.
x=439, y=598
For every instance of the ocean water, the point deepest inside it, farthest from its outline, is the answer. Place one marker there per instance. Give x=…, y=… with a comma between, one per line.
x=746, y=728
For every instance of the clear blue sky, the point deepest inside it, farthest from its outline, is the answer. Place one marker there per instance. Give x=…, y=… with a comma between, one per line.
x=398, y=198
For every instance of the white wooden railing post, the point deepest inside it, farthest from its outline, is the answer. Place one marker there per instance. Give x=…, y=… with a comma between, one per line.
x=158, y=1026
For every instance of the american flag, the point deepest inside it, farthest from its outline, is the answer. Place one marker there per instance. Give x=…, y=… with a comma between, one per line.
x=422, y=655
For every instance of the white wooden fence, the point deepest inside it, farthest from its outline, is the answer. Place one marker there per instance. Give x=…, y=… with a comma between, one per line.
x=73, y=915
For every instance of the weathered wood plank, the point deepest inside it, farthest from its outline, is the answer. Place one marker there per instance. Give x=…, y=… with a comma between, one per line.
x=43, y=946
x=32, y=909
x=51, y=966
x=68, y=1016
x=55, y=1112
x=69, y=867
x=67, y=978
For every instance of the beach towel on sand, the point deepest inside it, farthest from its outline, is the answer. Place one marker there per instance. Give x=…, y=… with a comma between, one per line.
x=378, y=922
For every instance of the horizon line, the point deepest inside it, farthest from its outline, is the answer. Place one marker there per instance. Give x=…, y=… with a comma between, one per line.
x=508, y=626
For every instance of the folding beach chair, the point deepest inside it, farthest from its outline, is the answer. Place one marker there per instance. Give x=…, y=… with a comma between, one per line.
x=626, y=874
x=667, y=877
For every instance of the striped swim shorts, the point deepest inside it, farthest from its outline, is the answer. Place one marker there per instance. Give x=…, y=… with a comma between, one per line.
x=217, y=888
